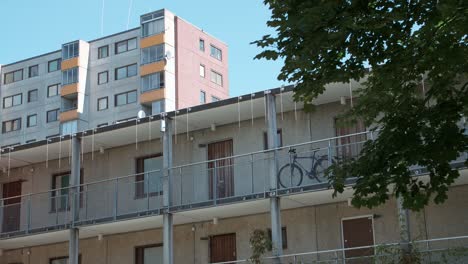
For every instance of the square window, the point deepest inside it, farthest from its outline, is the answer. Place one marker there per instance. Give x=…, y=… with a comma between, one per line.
x=32, y=120
x=33, y=71
x=103, y=77
x=216, y=52
x=103, y=52
x=32, y=96
x=52, y=115
x=53, y=90
x=103, y=103
x=54, y=65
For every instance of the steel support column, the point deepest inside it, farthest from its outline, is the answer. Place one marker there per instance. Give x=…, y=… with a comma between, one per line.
x=74, y=200
x=275, y=209
x=166, y=128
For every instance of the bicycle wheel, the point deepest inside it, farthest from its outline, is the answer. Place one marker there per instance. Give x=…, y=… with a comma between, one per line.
x=318, y=171
x=290, y=175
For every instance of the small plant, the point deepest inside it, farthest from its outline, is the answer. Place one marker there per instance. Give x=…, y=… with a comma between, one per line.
x=259, y=243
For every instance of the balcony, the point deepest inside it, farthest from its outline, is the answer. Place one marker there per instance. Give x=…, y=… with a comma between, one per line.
x=229, y=182
x=70, y=63
x=152, y=67
x=69, y=114
x=152, y=95
x=152, y=40
x=69, y=91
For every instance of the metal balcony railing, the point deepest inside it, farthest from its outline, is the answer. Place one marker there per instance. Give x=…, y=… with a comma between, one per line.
x=232, y=179
x=438, y=250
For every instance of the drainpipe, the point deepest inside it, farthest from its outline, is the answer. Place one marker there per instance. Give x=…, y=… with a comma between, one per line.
x=404, y=223
x=166, y=128
x=275, y=211
x=74, y=240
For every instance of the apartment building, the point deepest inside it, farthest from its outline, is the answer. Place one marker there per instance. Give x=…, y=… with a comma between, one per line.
x=191, y=186
x=164, y=64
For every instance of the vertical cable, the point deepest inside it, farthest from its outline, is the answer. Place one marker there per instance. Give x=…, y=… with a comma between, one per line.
x=92, y=145
x=251, y=109
x=238, y=111
x=47, y=153
x=136, y=133
x=60, y=153
x=281, y=101
x=188, y=109
x=175, y=125
x=9, y=162
x=351, y=94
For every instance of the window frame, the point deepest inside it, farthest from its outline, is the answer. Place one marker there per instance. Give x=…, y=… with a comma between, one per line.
x=161, y=79
x=213, y=47
x=69, y=51
x=57, y=115
x=12, y=100
x=284, y=237
x=29, y=71
x=116, y=45
x=75, y=76
x=279, y=133
x=59, y=65
x=201, y=45
x=28, y=124
x=126, y=94
x=54, y=190
x=99, y=77
x=12, y=125
x=150, y=59
x=57, y=93
x=107, y=103
x=145, y=23
x=29, y=95
x=202, y=66
x=140, y=189
x=202, y=92
x=13, y=73
x=216, y=79
x=139, y=250
x=100, y=56
x=126, y=75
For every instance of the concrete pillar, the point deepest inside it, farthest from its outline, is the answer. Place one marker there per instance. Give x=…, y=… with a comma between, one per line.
x=275, y=211
x=166, y=128
x=74, y=243
x=404, y=223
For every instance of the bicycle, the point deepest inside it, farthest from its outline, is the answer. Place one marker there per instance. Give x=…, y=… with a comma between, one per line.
x=292, y=174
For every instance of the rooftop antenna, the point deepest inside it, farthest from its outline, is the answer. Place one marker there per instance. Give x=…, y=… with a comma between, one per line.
x=102, y=18
x=129, y=11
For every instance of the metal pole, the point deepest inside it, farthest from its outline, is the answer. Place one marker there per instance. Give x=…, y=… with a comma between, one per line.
x=75, y=201
x=166, y=128
x=275, y=211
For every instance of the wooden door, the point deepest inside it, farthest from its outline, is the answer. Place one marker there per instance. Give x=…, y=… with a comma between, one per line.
x=223, y=248
x=222, y=171
x=11, y=206
x=358, y=232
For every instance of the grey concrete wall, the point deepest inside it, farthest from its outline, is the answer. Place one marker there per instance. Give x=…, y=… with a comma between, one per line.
x=308, y=229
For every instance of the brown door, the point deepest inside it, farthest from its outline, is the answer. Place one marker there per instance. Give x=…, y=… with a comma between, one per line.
x=223, y=248
x=349, y=146
x=358, y=232
x=11, y=206
x=222, y=171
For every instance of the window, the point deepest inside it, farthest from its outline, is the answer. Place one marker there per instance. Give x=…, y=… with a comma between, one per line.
x=33, y=71
x=153, y=27
x=70, y=50
x=216, y=53
x=13, y=100
x=70, y=76
x=279, y=134
x=217, y=78
x=149, y=254
x=149, y=176
x=13, y=76
x=125, y=71
x=201, y=45
x=214, y=99
x=152, y=54
x=103, y=52
x=32, y=120
x=53, y=90
x=202, y=97
x=152, y=81
x=60, y=198
x=103, y=77
x=202, y=70
x=32, y=96
x=69, y=127
x=54, y=65
x=157, y=107
x=126, y=45
x=349, y=146
x=103, y=103
x=125, y=98
x=11, y=125
x=52, y=115
x=284, y=237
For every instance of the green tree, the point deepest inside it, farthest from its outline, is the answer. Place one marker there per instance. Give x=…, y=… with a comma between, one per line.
x=393, y=45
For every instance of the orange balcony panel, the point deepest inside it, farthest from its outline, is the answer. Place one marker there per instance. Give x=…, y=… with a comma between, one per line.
x=69, y=115
x=70, y=63
x=151, y=96
x=152, y=40
x=152, y=67
x=69, y=89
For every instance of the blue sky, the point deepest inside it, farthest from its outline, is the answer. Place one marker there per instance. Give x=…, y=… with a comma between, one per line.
x=32, y=27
